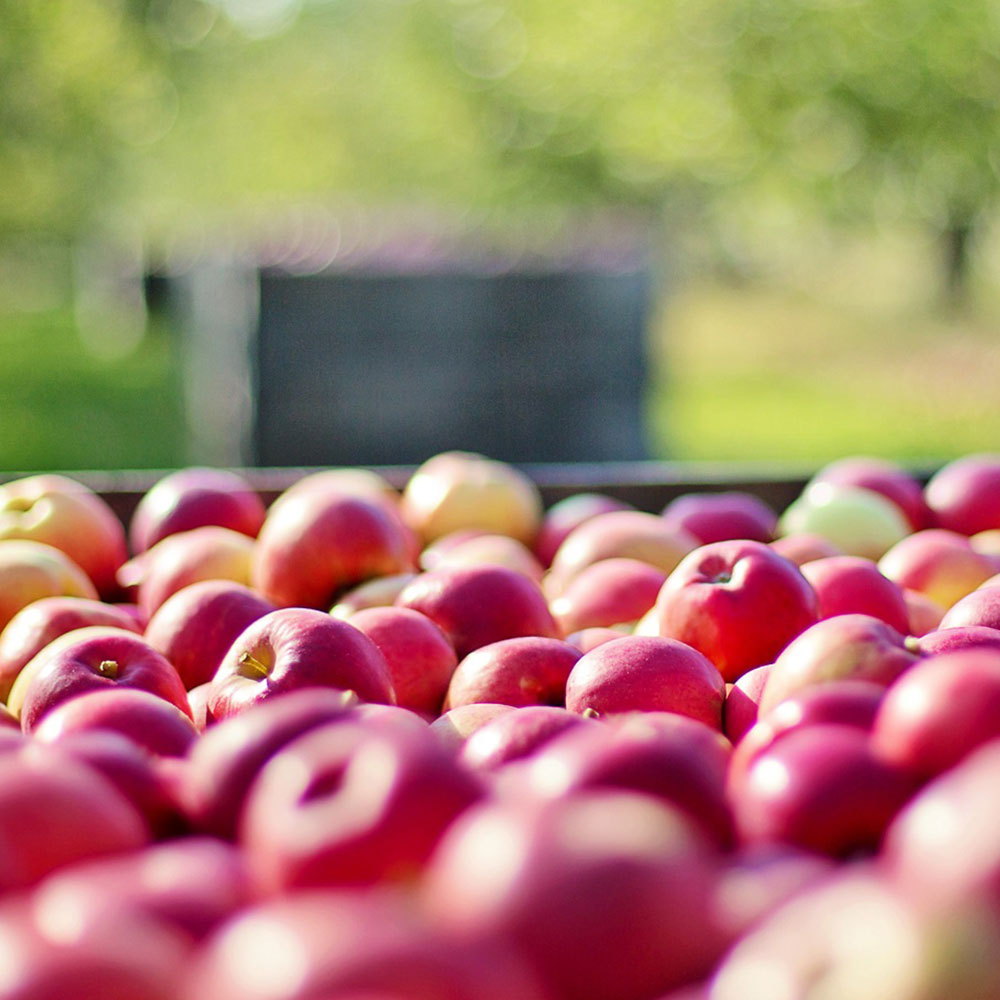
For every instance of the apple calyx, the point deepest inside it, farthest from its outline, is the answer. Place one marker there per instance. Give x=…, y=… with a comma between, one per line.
x=912, y=644
x=250, y=666
x=108, y=668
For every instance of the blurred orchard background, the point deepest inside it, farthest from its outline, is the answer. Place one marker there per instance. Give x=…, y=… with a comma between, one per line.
x=819, y=179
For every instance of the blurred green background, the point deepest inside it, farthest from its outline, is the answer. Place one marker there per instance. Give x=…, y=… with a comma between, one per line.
x=821, y=177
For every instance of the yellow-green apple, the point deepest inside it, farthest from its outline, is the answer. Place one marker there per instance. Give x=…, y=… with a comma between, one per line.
x=740, y=710
x=631, y=534
x=455, y=726
x=352, y=804
x=69, y=516
x=455, y=490
x=617, y=591
x=32, y=570
x=295, y=648
x=566, y=514
x=647, y=673
x=196, y=625
x=54, y=812
x=738, y=602
x=420, y=657
x=939, y=563
x=225, y=760
x=980, y=607
x=859, y=521
x=477, y=605
x=476, y=548
x=100, y=662
x=517, y=869
x=148, y=720
x=515, y=735
x=940, y=710
x=195, y=498
x=524, y=670
x=316, y=544
x=854, y=585
x=964, y=494
x=820, y=787
x=177, y=561
x=884, y=476
x=923, y=613
x=36, y=625
x=381, y=592
x=847, y=647
x=716, y=517
x=802, y=547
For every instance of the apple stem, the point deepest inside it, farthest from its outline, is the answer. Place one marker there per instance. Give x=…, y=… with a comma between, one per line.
x=108, y=668
x=590, y=713
x=253, y=667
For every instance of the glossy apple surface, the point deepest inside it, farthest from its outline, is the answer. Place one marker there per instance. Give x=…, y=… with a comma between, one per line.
x=853, y=585
x=616, y=591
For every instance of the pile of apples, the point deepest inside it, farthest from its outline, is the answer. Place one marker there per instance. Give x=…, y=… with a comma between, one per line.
x=441, y=743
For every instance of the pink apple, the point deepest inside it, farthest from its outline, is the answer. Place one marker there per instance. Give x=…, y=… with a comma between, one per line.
x=892, y=480
x=939, y=563
x=380, y=592
x=737, y=602
x=420, y=657
x=847, y=647
x=195, y=626
x=456, y=490
x=717, y=517
x=525, y=670
x=195, y=498
x=803, y=547
x=742, y=703
x=981, y=607
x=318, y=543
x=854, y=585
x=69, y=516
x=477, y=605
x=457, y=725
x=948, y=640
x=515, y=735
x=610, y=592
x=590, y=638
x=484, y=548
x=209, y=553
x=566, y=514
x=647, y=673
x=36, y=625
x=963, y=494
x=349, y=804
x=297, y=648
x=32, y=570
x=923, y=613
x=100, y=662
x=148, y=720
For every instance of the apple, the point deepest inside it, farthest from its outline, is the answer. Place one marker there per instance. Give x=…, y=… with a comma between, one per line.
x=741, y=707
x=647, y=673
x=884, y=476
x=477, y=605
x=610, y=592
x=939, y=563
x=939, y=711
x=108, y=661
x=295, y=648
x=515, y=735
x=852, y=584
x=317, y=544
x=195, y=498
x=566, y=514
x=456, y=725
x=420, y=657
x=148, y=720
x=803, y=547
x=351, y=804
x=524, y=670
x=737, y=602
x=589, y=638
x=847, y=647
x=381, y=592
x=37, y=624
x=963, y=494
x=456, y=490
x=980, y=607
x=859, y=521
x=923, y=613
x=209, y=553
x=478, y=548
x=32, y=570
x=196, y=625
x=224, y=762
x=717, y=517
x=947, y=640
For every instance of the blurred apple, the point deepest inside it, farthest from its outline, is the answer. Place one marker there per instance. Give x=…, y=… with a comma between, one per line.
x=566, y=514
x=803, y=547
x=964, y=494
x=476, y=548
x=516, y=735
x=854, y=585
x=717, y=517
x=740, y=710
x=32, y=570
x=380, y=592
x=456, y=725
x=980, y=607
x=613, y=591
x=923, y=613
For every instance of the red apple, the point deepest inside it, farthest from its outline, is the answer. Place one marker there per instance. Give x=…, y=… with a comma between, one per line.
x=566, y=514
x=590, y=638
x=853, y=585
x=981, y=607
x=647, y=673
x=378, y=593
x=963, y=494
x=477, y=605
x=717, y=517
x=737, y=602
x=610, y=592
x=481, y=548
x=420, y=657
x=457, y=725
x=525, y=670
x=195, y=498
x=948, y=640
x=100, y=662
x=742, y=703
x=803, y=547
x=36, y=625
x=69, y=516
x=32, y=570
x=515, y=735
x=194, y=627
